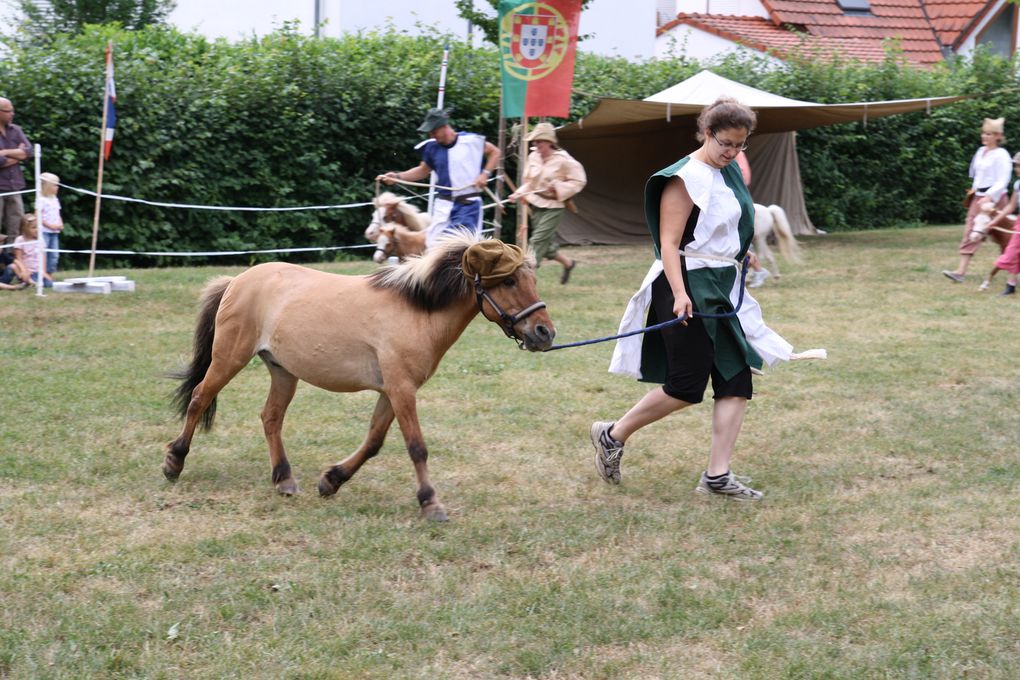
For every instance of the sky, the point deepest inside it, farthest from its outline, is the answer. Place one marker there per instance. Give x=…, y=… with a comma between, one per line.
x=624, y=28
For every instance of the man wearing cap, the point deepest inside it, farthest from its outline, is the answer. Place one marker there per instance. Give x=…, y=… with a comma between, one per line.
x=463, y=163
x=551, y=178
x=14, y=148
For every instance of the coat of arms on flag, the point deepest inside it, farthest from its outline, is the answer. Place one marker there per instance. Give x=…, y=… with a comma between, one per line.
x=537, y=42
x=531, y=42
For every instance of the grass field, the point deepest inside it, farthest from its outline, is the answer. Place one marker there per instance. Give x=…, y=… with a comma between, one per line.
x=888, y=545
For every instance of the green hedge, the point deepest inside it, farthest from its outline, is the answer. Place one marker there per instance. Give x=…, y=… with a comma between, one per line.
x=288, y=120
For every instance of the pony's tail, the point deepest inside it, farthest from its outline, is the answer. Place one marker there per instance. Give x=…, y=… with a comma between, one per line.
x=194, y=373
x=785, y=239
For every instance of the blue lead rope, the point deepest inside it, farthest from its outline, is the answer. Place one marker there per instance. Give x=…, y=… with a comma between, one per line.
x=666, y=324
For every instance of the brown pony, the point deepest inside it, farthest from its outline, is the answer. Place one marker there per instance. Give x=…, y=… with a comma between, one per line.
x=397, y=228
x=397, y=240
x=385, y=332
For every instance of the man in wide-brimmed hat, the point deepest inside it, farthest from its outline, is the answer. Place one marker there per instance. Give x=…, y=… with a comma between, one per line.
x=463, y=163
x=551, y=178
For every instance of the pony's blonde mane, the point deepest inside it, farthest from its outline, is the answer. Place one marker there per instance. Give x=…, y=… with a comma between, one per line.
x=414, y=218
x=434, y=280
x=430, y=281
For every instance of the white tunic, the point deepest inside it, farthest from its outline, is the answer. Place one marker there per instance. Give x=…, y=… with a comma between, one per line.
x=717, y=205
x=992, y=169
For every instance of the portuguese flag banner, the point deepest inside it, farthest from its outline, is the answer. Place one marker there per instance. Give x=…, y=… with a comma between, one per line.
x=537, y=41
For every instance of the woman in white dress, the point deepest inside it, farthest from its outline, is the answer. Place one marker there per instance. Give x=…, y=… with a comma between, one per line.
x=698, y=205
x=991, y=171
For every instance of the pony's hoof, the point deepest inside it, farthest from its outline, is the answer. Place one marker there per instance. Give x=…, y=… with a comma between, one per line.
x=325, y=488
x=331, y=480
x=288, y=487
x=172, y=468
x=434, y=513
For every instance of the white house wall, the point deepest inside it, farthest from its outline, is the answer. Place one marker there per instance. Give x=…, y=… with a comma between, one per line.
x=697, y=44
x=739, y=8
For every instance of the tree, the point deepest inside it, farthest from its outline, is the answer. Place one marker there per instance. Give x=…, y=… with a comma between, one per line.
x=490, y=24
x=45, y=18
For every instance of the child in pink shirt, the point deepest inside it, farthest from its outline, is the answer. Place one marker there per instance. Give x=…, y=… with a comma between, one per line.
x=26, y=253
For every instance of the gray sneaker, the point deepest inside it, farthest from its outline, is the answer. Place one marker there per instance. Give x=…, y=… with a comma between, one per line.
x=735, y=488
x=608, y=452
x=958, y=278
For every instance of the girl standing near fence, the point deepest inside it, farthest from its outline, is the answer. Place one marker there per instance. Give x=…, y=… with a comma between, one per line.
x=49, y=214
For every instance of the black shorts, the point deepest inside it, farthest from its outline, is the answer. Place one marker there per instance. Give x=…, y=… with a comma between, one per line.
x=690, y=355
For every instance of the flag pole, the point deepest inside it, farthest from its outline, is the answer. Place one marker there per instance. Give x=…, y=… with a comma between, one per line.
x=500, y=168
x=522, y=210
x=102, y=155
x=439, y=104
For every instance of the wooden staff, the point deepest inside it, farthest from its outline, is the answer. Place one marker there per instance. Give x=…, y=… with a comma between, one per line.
x=102, y=154
x=498, y=215
x=522, y=215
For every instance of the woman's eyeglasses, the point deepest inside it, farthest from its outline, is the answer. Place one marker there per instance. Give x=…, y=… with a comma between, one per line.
x=729, y=146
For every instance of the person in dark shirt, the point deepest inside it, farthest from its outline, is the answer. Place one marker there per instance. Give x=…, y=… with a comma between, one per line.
x=14, y=148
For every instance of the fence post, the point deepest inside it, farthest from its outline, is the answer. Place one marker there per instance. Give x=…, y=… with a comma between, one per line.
x=39, y=239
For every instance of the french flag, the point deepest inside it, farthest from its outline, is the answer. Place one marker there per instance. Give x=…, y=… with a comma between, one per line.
x=110, y=114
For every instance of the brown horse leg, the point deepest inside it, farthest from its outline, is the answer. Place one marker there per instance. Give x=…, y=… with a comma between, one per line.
x=216, y=378
x=407, y=417
x=281, y=392
x=335, y=475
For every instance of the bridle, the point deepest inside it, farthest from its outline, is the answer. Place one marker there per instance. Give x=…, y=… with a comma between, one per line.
x=506, y=321
x=388, y=245
x=391, y=244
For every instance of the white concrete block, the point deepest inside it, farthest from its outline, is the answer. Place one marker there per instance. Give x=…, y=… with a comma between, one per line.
x=126, y=286
x=100, y=287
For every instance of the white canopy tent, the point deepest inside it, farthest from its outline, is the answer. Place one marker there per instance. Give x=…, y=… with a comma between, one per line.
x=622, y=142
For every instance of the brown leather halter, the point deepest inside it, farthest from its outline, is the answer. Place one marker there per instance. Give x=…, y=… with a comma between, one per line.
x=506, y=321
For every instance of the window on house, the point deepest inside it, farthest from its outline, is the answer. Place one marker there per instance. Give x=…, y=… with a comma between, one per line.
x=998, y=35
x=854, y=6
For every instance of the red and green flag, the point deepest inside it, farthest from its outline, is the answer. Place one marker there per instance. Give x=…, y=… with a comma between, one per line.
x=537, y=41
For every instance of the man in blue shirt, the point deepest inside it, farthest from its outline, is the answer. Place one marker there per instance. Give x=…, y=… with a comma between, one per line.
x=462, y=162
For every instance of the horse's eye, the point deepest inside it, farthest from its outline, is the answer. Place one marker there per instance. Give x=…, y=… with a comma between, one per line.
x=510, y=282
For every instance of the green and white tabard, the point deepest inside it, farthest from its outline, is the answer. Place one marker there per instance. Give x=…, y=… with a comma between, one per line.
x=721, y=224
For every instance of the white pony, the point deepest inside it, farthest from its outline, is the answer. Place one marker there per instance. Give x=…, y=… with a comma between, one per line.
x=390, y=212
x=771, y=220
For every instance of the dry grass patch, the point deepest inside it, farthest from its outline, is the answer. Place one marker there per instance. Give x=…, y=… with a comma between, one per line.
x=884, y=547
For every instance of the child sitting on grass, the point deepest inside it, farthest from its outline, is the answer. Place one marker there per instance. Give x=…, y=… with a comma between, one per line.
x=7, y=276
x=26, y=253
x=7, y=270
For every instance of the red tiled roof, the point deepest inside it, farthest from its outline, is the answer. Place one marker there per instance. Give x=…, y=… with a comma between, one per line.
x=763, y=35
x=903, y=20
x=921, y=27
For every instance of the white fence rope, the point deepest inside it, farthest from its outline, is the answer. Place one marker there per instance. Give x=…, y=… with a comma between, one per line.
x=211, y=253
x=233, y=253
x=232, y=208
